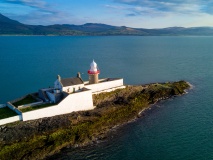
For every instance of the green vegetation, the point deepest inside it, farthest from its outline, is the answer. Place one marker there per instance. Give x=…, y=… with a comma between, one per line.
x=36, y=107
x=27, y=100
x=6, y=113
x=81, y=128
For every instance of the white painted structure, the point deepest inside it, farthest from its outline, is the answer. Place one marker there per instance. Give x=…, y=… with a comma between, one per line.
x=93, y=67
x=68, y=85
x=74, y=88
x=78, y=101
x=105, y=84
x=69, y=95
x=10, y=119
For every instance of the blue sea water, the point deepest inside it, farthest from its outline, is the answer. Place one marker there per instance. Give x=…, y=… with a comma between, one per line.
x=176, y=129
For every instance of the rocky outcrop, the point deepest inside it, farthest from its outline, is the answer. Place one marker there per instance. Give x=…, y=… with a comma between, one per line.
x=39, y=138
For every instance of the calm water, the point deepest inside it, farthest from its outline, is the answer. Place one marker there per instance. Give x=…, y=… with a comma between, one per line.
x=180, y=128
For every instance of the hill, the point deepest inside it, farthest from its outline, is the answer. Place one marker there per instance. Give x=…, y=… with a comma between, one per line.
x=12, y=27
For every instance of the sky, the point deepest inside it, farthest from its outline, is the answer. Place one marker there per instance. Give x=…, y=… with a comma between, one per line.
x=130, y=13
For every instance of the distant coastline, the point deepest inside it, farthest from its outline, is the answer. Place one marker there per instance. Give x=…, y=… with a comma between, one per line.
x=15, y=28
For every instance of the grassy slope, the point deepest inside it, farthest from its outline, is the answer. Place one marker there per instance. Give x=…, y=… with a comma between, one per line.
x=6, y=113
x=27, y=109
x=27, y=100
x=113, y=108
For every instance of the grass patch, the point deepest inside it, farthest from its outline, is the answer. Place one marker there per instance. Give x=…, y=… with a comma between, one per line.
x=27, y=109
x=6, y=113
x=27, y=100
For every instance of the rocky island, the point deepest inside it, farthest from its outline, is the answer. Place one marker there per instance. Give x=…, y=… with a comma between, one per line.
x=41, y=138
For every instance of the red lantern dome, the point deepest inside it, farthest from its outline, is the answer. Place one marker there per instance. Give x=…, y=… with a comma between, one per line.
x=93, y=68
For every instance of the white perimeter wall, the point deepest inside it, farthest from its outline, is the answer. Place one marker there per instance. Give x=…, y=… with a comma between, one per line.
x=105, y=85
x=74, y=102
x=10, y=119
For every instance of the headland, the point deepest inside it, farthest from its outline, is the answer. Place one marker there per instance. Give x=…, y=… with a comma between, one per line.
x=41, y=138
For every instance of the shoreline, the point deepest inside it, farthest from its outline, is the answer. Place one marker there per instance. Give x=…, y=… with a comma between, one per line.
x=106, y=136
x=145, y=110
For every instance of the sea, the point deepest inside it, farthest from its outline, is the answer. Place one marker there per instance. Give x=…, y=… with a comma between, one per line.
x=180, y=128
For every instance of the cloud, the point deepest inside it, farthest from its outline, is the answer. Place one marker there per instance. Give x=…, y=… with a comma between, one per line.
x=38, y=12
x=114, y=7
x=39, y=5
x=31, y=3
x=131, y=15
x=136, y=10
x=136, y=13
x=164, y=13
x=169, y=6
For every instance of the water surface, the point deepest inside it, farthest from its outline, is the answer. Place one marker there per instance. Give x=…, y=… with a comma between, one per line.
x=180, y=128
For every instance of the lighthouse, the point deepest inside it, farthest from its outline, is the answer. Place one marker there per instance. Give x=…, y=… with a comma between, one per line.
x=93, y=73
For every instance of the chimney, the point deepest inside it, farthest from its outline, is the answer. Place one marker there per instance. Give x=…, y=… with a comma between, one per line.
x=78, y=75
x=59, y=78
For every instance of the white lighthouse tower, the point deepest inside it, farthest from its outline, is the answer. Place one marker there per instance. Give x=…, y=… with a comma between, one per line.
x=93, y=73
